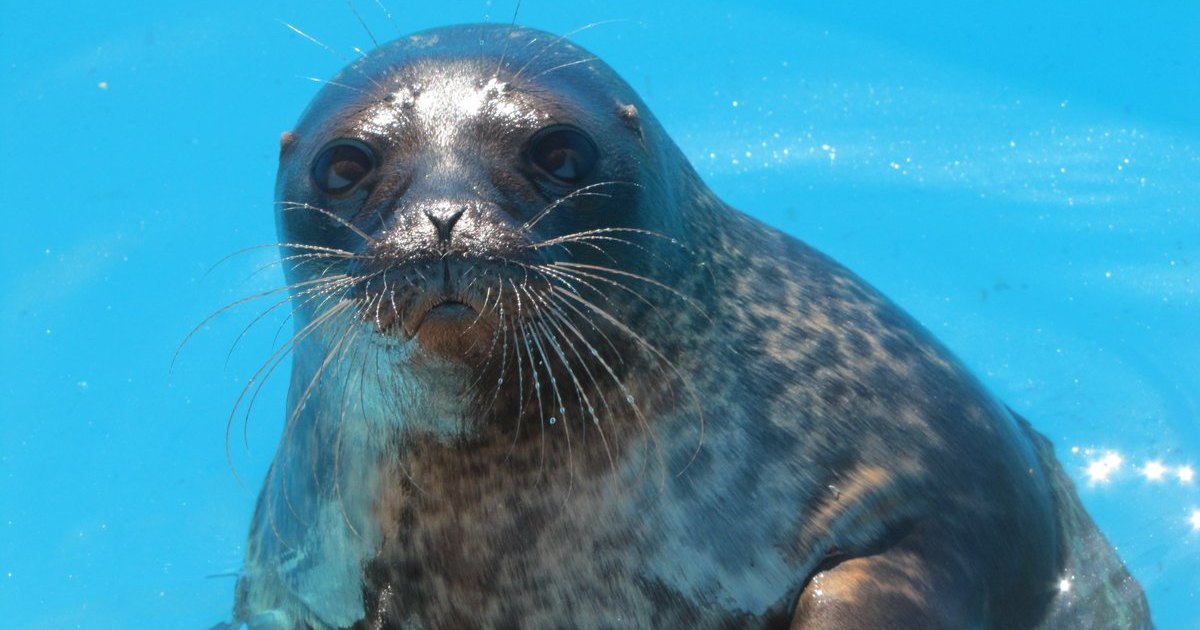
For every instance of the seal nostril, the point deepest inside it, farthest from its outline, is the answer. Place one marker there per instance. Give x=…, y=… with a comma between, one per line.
x=444, y=221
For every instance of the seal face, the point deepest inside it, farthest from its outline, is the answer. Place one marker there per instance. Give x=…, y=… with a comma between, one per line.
x=542, y=376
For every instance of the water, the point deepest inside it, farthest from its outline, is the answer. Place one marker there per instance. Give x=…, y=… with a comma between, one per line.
x=1024, y=179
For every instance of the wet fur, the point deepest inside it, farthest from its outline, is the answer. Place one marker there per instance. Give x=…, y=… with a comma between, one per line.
x=666, y=414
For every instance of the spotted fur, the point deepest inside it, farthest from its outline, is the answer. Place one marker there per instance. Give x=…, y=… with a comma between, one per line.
x=665, y=414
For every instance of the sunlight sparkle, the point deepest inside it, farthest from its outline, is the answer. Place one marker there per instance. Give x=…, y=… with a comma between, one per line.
x=1099, y=470
x=1185, y=474
x=1154, y=470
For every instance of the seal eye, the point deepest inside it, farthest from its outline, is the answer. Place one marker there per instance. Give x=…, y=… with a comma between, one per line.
x=565, y=153
x=341, y=166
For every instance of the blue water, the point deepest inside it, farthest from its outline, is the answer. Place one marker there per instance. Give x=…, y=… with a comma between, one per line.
x=1024, y=179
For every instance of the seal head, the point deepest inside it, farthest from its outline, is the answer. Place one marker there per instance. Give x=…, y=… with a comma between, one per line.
x=450, y=177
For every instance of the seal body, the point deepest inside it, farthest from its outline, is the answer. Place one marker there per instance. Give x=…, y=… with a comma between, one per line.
x=543, y=377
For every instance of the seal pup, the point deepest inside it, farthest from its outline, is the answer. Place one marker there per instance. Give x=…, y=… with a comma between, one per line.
x=543, y=377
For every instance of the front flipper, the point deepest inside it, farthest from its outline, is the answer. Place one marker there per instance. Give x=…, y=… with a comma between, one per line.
x=929, y=579
x=889, y=590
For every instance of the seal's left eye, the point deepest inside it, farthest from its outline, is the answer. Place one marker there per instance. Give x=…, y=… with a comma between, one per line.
x=341, y=166
x=565, y=153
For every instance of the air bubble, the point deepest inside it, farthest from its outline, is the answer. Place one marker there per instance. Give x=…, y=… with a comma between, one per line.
x=553, y=420
x=629, y=398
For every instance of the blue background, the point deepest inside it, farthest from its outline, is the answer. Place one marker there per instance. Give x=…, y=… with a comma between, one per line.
x=1024, y=177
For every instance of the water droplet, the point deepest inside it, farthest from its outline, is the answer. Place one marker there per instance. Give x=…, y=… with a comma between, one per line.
x=595, y=420
x=629, y=398
x=553, y=420
x=562, y=410
x=499, y=381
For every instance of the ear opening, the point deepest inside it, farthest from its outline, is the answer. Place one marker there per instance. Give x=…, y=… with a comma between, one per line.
x=630, y=116
x=287, y=140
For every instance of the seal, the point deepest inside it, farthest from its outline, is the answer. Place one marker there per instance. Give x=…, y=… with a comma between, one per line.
x=542, y=376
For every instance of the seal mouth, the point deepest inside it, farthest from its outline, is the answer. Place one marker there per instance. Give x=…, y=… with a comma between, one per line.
x=406, y=312
x=439, y=299
x=437, y=312
x=452, y=326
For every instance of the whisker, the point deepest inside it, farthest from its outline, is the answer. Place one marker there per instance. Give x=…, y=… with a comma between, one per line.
x=533, y=374
x=507, y=38
x=548, y=316
x=610, y=230
x=366, y=28
x=296, y=205
x=628, y=395
x=333, y=52
x=521, y=400
x=387, y=14
x=233, y=305
x=271, y=472
x=261, y=376
x=294, y=416
x=641, y=341
x=487, y=363
x=565, y=65
x=319, y=289
x=686, y=299
x=562, y=278
x=269, y=367
x=561, y=200
x=300, y=261
x=562, y=410
x=345, y=86
x=559, y=319
x=545, y=320
x=549, y=45
x=568, y=278
x=501, y=331
x=337, y=446
x=578, y=192
x=593, y=242
x=586, y=242
x=316, y=248
x=578, y=275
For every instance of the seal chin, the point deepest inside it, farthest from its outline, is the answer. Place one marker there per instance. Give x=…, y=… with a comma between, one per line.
x=450, y=325
x=450, y=312
x=452, y=331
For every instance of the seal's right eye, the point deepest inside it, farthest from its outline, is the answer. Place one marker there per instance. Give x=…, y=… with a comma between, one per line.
x=565, y=153
x=341, y=166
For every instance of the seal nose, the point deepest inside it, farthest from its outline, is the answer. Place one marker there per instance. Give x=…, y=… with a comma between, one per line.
x=443, y=219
